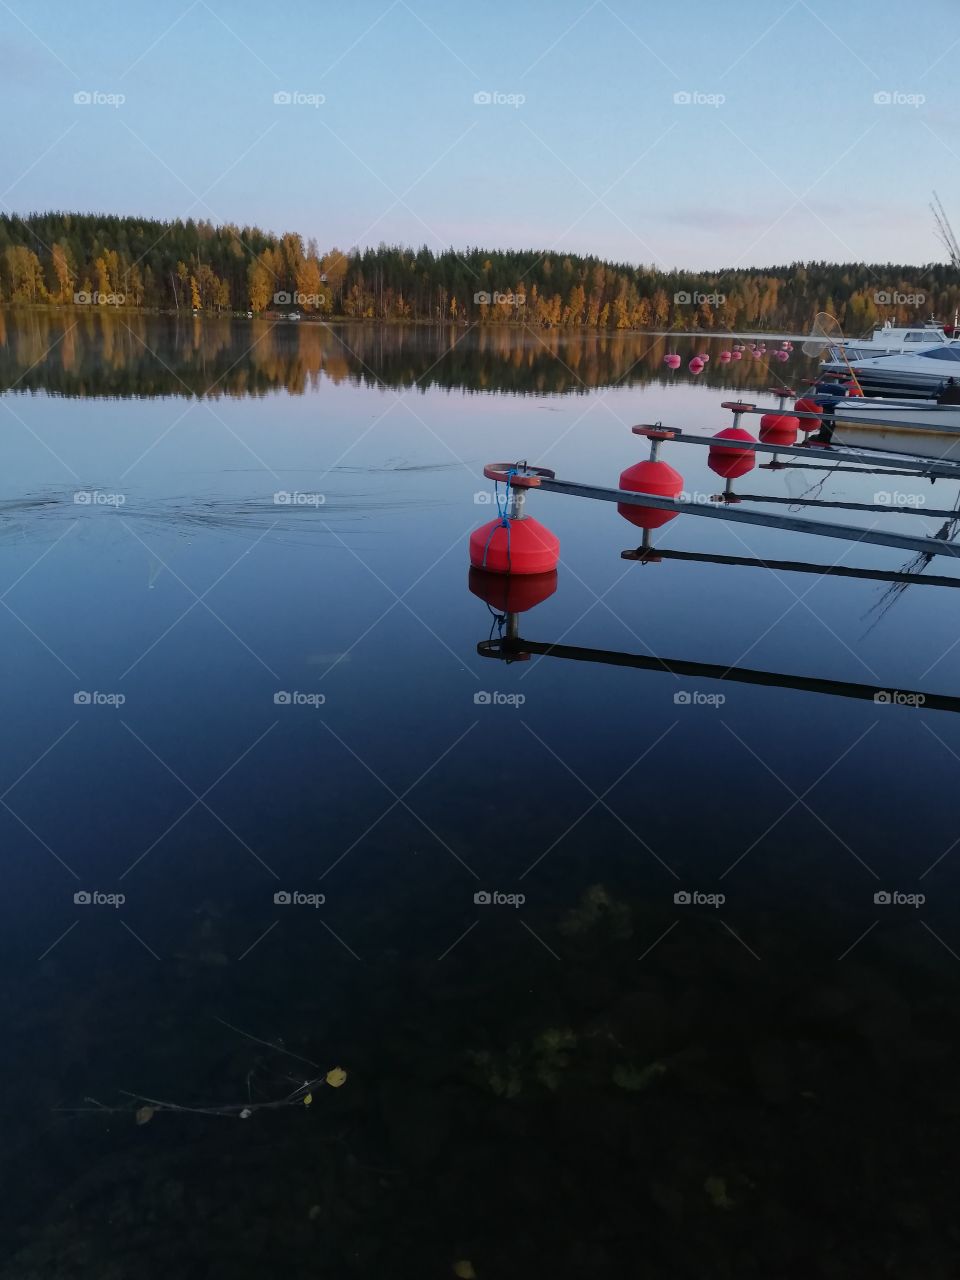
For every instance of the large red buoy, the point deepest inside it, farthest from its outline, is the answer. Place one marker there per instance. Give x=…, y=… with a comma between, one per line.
x=807, y=405
x=779, y=428
x=508, y=593
x=696, y=365
x=515, y=543
x=514, y=546
x=731, y=463
x=650, y=476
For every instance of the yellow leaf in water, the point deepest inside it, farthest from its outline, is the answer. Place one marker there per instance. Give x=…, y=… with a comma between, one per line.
x=336, y=1077
x=145, y=1114
x=307, y=1099
x=464, y=1270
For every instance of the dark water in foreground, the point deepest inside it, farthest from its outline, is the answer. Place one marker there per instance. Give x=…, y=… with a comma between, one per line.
x=598, y=1081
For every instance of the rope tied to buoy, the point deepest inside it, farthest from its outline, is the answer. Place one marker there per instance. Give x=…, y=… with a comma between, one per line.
x=503, y=518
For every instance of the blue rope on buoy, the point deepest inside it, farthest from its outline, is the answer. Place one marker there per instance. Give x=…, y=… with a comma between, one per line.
x=503, y=520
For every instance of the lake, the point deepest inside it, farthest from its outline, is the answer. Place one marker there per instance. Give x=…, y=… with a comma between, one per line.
x=598, y=947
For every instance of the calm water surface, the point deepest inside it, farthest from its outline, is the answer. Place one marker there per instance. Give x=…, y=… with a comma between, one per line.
x=241, y=662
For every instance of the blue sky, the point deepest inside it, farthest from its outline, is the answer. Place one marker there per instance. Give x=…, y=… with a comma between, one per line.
x=782, y=153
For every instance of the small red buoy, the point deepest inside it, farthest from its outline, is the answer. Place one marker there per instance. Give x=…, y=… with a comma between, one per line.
x=704, y=356
x=725, y=357
x=736, y=355
x=853, y=388
x=650, y=476
x=514, y=546
x=779, y=428
x=732, y=463
x=507, y=593
x=806, y=405
x=673, y=361
x=696, y=365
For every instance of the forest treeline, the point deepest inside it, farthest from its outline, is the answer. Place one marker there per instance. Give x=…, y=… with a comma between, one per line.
x=72, y=259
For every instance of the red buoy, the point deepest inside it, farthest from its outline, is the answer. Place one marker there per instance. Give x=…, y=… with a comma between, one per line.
x=514, y=546
x=731, y=463
x=672, y=360
x=508, y=593
x=655, y=477
x=807, y=405
x=696, y=365
x=779, y=428
x=725, y=357
x=736, y=355
x=853, y=388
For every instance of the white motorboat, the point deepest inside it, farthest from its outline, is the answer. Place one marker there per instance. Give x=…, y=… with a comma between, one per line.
x=889, y=339
x=923, y=371
x=887, y=414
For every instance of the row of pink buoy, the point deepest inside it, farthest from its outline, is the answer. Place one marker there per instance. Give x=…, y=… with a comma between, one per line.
x=737, y=352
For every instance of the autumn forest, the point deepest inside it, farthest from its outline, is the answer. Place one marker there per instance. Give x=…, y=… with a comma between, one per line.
x=70, y=259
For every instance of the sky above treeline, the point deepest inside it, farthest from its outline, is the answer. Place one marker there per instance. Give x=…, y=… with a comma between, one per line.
x=695, y=135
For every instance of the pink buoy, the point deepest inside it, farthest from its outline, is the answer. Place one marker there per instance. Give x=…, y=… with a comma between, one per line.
x=703, y=356
x=696, y=365
x=725, y=357
x=736, y=355
x=673, y=361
